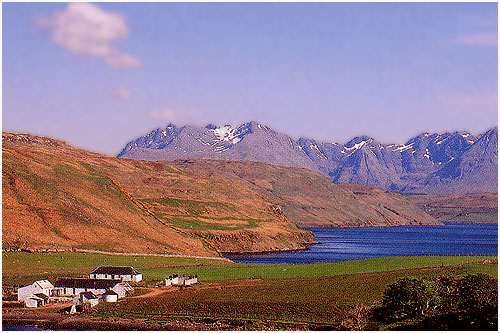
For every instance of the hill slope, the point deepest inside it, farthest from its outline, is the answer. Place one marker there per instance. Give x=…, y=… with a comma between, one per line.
x=310, y=199
x=57, y=196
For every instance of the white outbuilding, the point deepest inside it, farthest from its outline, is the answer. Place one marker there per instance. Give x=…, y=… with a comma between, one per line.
x=124, y=273
x=37, y=287
x=192, y=279
x=176, y=280
x=36, y=300
x=123, y=289
x=84, y=301
x=110, y=296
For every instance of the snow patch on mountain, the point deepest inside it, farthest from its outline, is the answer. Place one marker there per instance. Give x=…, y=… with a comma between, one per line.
x=403, y=147
x=229, y=134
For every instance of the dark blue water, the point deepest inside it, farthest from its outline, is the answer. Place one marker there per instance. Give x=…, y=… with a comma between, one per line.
x=340, y=244
x=21, y=328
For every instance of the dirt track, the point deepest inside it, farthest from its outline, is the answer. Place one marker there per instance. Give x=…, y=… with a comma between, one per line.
x=153, y=292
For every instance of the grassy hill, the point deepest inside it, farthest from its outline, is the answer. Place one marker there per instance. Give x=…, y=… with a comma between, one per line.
x=463, y=208
x=310, y=199
x=58, y=197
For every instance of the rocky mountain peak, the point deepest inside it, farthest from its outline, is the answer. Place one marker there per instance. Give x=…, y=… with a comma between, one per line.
x=362, y=160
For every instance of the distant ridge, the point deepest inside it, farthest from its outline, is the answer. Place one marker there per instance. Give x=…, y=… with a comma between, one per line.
x=451, y=163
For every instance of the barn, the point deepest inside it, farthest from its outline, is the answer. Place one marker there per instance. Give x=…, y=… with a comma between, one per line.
x=75, y=286
x=124, y=273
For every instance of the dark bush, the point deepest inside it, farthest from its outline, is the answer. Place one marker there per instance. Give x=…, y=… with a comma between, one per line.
x=465, y=303
x=408, y=298
x=477, y=291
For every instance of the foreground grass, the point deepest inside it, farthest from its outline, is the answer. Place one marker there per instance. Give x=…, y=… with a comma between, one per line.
x=320, y=294
x=23, y=268
x=320, y=301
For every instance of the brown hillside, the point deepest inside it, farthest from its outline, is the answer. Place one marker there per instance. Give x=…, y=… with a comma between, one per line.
x=56, y=196
x=460, y=208
x=310, y=199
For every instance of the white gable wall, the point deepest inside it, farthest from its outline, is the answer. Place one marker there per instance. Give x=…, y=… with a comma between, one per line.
x=25, y=292
x=32, y=302
x=43, y=286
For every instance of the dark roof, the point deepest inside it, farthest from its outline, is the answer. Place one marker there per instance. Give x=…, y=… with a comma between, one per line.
x=116, y=270
x=42, y=296
x=85, y=283
x=88, y=295
x=110, y=292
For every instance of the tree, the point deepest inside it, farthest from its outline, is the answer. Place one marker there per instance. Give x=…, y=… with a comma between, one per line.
x=408, y=298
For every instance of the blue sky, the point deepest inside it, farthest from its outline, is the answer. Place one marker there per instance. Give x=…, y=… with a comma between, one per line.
x=99, y=75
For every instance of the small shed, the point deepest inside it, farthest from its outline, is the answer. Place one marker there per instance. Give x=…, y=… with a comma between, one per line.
x=36, y=300
x=89, y=298
x=110, y=296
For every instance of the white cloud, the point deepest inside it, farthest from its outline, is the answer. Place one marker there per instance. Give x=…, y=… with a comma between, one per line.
x=164, y=114
x=85, y=29
x=479, y=39
x=121, y=93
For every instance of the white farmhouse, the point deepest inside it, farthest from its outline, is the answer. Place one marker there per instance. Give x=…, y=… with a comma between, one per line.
x=37, y=287
x=124, y=273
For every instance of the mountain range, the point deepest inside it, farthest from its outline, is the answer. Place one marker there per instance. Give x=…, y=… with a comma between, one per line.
x=445, y=163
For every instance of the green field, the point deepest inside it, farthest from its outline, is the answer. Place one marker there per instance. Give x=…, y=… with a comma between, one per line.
x=22, y=268
x=308, y=294
x=321, y=301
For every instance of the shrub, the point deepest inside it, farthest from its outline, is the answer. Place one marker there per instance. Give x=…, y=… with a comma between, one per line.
x=408, y=298
x=468, y=303
x=477, y=291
